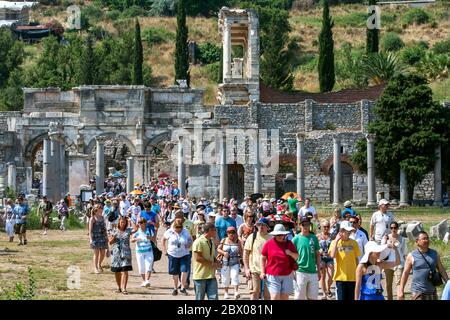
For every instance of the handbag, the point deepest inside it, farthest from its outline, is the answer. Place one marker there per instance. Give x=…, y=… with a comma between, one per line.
x=156, y=252
x=434, y=276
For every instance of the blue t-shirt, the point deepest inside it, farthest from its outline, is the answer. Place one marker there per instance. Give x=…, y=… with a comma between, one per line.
x=175, y=192
x=156, y=208
x=222, y=225
x=20, y=211
x=149, y=216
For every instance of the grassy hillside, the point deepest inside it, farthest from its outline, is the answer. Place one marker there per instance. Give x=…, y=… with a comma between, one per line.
x=350, y=26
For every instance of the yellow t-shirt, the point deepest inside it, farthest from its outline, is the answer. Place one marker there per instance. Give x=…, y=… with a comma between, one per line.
x=207, y=249
x=345, y=260
x=254, y=258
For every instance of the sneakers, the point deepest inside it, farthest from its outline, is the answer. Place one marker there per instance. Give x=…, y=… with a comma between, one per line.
x=175, y=292
x=143, y=284
x=226, y=296
x=44, y=233
x=24, y=242
x=183, y=291
x=20, y=244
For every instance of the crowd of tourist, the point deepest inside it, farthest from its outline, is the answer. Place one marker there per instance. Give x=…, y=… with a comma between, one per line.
x=281, y=246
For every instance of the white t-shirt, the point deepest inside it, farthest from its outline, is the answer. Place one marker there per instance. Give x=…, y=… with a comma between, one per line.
x=239, y=220
x=381, y=222
x=361, y=238
x=303, y=210
x=176, y=243
x=123, y=207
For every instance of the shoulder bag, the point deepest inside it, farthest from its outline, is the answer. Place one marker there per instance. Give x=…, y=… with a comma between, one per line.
x=434, y=276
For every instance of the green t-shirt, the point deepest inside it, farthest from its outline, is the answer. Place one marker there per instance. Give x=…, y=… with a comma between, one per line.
x=307, y=247
x=206, y=248
x=292, y=204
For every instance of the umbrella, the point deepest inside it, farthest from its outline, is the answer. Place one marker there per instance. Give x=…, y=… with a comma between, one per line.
x=287, y=194
x=136, y=192
x=256, y=196
x=163, y=175
x=116, y=174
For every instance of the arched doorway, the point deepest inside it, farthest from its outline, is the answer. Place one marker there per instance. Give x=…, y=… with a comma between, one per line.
x=236, y=181
x=347, y=182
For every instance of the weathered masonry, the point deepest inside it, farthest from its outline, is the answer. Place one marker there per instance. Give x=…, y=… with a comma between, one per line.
x=254, y=140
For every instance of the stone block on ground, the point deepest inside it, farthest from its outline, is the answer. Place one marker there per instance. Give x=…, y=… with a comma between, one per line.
x=439, y=230
x=413, y=228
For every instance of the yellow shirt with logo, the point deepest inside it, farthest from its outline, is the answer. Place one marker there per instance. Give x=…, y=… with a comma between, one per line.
x=203, y=271
x=345, y=260
x=254, y=258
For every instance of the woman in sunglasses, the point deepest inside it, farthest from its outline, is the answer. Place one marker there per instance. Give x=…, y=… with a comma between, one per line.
x=144, y=252
x=231, y=251
x=326, y=262
x=397, y=240
x=247, y=227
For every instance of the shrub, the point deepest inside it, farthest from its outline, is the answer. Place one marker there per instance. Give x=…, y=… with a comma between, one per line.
x=434, y=66
x=157, y=35
x=381, y=67
x=113, y=15
x=209, y=53
x=416, y=16
x=214, y=72
x=412, y=55
x=442, y=47
x=93, y=12
x=392, y=42
x=21, y=291
x=133, y=11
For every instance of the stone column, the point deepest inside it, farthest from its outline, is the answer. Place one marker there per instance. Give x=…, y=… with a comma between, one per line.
x=100, y=166
x=403, y=189
x=301, y=164
x=223, y=193
x=79, y=164
x=337, y=170
x=257, y=182
x=47, y=188
x=181, y=168
x=62, y=167
x=438, y=178
x=12, y=176
x=226, y=50
x=55, y=170
x=130, y=174
x=371, y=190
x=29, y=173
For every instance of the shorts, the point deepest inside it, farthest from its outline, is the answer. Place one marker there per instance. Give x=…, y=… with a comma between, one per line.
x=45, y=221
x=20, y=228
x=230, y=274
x=178, y=265
x=280, y=284
x=255, y=285
x=307, y=286
x=121, y=269
x=145, y=262
x=424, y=296
x=324, y=262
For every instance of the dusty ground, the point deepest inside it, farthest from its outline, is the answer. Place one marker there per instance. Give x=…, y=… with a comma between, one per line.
x=50, y=257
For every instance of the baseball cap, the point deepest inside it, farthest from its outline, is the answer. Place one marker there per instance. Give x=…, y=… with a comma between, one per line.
x=383, y=201
x=231, y=228
x=372, y=246
x=347, y=203
x=347, y=226
x=305, y=219
x=263, y=221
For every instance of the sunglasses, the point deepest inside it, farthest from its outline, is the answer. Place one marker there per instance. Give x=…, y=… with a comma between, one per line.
x=394, y=227
x=231, y=231
x=326, y=227
x=250, y=216
x=353, y=222
x=178, y=227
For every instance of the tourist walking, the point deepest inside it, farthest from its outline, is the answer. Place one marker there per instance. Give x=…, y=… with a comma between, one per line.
x=423, y=262
x=63, y=214
x=307, y=275
x=380, y=221
x=205, y=264
x=345, y=251
x=368, y=272
x=223, y=222
x=246, y=229
x=231, y=250
x=307, y=208
x=238, y=218
x=335, y=222
x=98, y=236
x=21, y=211
x=358, y=235
x=45, y=209
x=144, y=251
x=278, y=261
x=119, y=239
x=348, y=209
x=326, y=262
x=400, y=243
x=10, y=220
x=176, y=244
x=252, y=259
x=292, y=202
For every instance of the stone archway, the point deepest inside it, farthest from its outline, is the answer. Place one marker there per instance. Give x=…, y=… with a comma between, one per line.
x=160, y=149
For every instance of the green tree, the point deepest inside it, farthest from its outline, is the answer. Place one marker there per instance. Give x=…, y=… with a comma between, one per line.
x=137, y=55
x=275, y=63
x=89, y=66
x=326, y=54
x=408, y=126
x=181, y=48
x=372, y=34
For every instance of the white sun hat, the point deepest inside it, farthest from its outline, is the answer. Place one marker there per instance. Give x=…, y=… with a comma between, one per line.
x=279, y=230
x=372, y=246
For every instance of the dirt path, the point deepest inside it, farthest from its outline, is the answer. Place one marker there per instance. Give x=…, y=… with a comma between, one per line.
x=50, y=256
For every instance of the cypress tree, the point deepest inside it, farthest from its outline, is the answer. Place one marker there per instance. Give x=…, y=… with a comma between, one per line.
x=326, y=54
x=181, y=49
x=89, y=65
x=137, y=77
x=372, y=34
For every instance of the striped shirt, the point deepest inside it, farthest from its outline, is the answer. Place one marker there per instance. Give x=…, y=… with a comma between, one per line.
x=144, y=245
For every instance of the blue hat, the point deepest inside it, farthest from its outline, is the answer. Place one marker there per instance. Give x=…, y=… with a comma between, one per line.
x=263, y=221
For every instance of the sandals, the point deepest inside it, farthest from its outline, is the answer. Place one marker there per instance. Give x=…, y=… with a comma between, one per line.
x=124, y=292
x=118, y=291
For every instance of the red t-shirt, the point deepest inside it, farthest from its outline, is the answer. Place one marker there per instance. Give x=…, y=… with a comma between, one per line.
x=277, y=261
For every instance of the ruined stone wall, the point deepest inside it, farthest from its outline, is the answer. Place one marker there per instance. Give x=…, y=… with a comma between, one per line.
x=331, y=116
x=425, y=189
